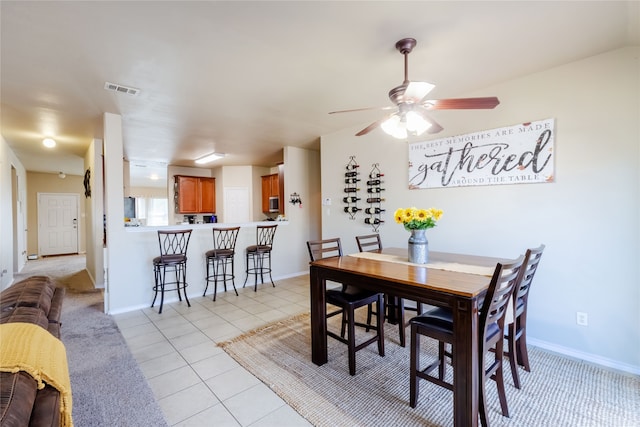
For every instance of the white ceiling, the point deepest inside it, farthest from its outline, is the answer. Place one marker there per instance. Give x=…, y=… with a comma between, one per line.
x=247, y=78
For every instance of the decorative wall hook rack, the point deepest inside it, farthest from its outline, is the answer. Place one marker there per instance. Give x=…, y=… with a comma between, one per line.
x=374, y=198
x=351, y=179
x=295, y=199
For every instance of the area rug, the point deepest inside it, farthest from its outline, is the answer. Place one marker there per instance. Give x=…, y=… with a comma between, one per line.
x=558, y=391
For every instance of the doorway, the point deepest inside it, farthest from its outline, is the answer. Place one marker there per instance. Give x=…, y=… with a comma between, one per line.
x=58, y=215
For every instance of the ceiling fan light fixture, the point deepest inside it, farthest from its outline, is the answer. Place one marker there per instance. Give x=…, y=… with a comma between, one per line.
x=209, y=158
x=49, y=142
x=394, y=126
x=416, y=124
x=401, y=125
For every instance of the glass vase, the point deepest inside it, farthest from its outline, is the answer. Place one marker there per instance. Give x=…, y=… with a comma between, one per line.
x=418, y=247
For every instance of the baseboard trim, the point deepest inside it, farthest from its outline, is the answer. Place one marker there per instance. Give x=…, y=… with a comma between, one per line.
x=600, y=361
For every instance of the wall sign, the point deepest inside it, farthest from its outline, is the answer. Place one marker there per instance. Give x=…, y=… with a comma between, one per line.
x=510, y=155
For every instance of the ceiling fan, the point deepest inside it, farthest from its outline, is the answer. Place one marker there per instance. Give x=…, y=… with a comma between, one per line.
x=410, y=104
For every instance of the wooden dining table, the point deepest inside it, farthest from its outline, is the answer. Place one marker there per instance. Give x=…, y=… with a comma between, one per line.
x=460, y=291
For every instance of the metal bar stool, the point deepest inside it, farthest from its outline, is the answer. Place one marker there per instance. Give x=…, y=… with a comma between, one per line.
x=173, y=256
x=260, y=255
x=221, y=258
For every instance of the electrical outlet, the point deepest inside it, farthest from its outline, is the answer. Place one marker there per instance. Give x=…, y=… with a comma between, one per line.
x=581, y=318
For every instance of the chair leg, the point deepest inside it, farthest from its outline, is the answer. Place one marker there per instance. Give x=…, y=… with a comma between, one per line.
x=521, y=345
x=215, y=278
x=246, y=270
x=369, y=316
x=257, y=264
x=499, y=378
x=380, y=324
x=206, y=280
x=351, y=340
x=401, y=324
x=162, y=278
x=183, y=269
x=233, y=277
x=270, y=278
x=513, y=358
x=442, y=366
x=414, y=362
x=155, y=288
x=176, y=271
x=482, y=404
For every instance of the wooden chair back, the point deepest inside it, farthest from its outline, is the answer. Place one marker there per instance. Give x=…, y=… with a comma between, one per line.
x=319, y=249
x=369, y=242
x=495, y=305
x=528, y=270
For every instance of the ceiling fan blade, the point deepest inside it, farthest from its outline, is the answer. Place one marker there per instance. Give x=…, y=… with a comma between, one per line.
x=362, y=109
x=373, y=125
x=461, y=103
x=416, y=91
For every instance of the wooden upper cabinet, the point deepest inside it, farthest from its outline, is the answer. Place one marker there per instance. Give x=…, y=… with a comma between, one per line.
x=271, y=188
x=266, y=193
x=195, y=194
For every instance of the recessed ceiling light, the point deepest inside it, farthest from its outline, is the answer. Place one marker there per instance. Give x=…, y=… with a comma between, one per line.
x=48, y=142
x=209, y=158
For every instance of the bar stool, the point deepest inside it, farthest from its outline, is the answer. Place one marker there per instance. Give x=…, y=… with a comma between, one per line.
x=260, y=255
x=173, y=256
x=220, y=258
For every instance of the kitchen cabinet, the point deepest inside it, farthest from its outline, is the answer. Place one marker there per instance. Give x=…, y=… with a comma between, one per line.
x=195, y=194
x=271, y=187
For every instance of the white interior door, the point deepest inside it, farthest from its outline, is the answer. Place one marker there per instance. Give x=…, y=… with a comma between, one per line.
x=236, y=205
x=58, y=223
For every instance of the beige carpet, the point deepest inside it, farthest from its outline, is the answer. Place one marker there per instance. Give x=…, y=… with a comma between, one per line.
x=68, y=270
x=558, y=391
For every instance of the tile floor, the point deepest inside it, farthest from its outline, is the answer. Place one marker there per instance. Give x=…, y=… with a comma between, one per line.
x=195, y=382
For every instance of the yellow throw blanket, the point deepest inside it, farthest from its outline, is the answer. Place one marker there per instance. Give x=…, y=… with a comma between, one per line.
x=32, y=349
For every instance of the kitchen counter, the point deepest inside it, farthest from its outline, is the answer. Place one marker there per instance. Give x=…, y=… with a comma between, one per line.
x=131, y=288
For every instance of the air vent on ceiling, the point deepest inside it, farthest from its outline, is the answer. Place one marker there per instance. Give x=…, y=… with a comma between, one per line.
x=122, y=89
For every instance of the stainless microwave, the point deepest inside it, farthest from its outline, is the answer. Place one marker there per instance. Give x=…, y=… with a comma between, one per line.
x=274, y=204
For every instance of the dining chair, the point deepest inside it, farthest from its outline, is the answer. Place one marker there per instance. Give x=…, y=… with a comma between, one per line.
x=516, y=334
x=438, y=324
x=393, y=304
x=173, y=257
x=258, y=256
x=348, y=299
x=220, y=258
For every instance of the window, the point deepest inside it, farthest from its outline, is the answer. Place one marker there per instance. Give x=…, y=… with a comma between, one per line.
x=154, y=211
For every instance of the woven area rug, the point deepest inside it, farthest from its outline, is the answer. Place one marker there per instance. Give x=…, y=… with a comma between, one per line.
x=558, y=391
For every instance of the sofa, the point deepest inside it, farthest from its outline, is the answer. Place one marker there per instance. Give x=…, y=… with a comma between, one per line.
x=35, y=300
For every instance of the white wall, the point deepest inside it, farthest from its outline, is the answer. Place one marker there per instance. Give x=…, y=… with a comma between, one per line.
x=7, y=256
x=94, y=214
x=588, y=218
x=117, y=260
